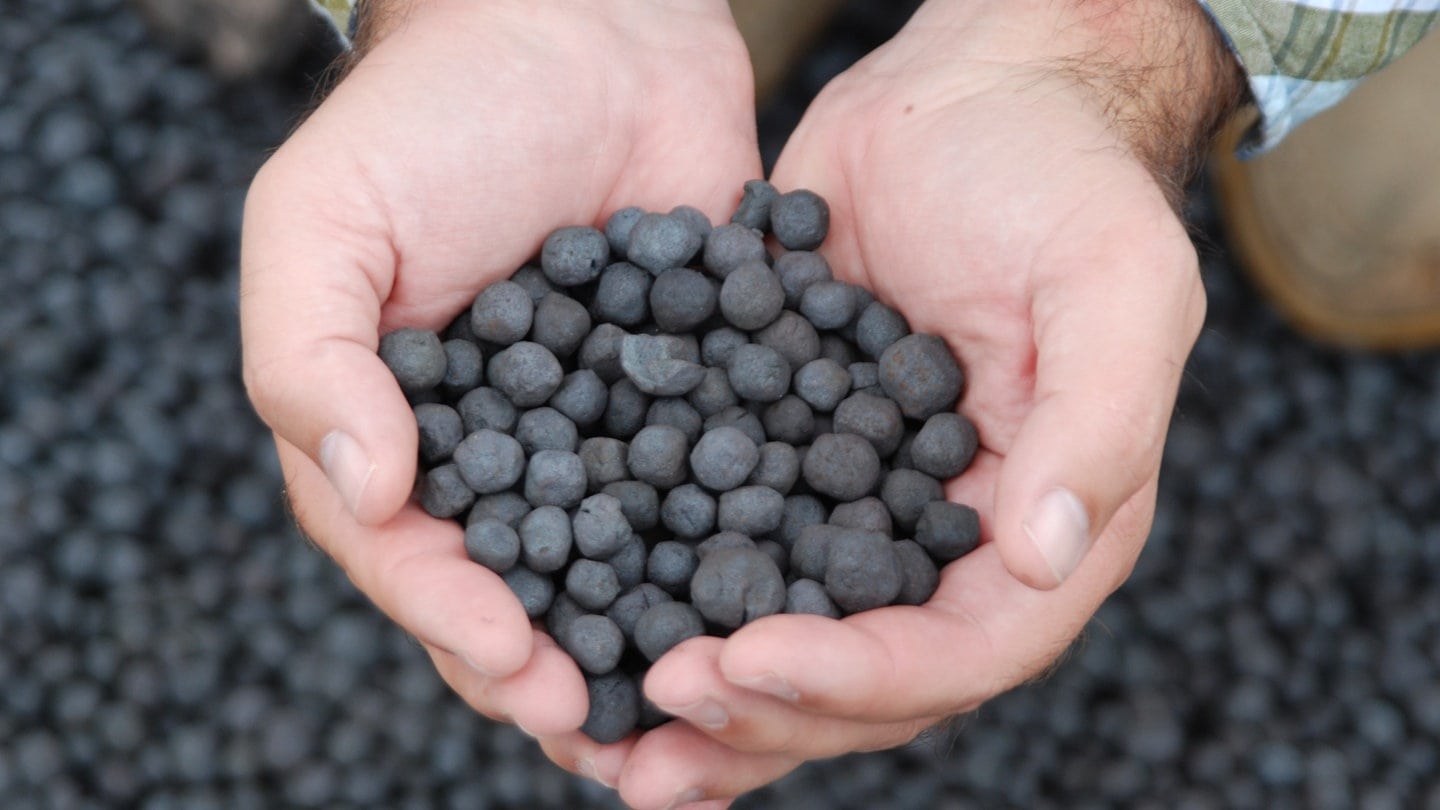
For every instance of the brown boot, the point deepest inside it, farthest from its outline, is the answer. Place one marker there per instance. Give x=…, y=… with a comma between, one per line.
x=1340, y=224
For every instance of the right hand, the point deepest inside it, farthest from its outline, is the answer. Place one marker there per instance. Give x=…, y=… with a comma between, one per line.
x=464, y=135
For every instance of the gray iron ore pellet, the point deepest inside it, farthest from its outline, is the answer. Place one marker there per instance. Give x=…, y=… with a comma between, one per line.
x=719, y=345
x=658, y=455
x=948, y=531
x=918, y=575
x=574, y=255
x=629, y=561
x=444, y=493
x=921, y=375
x=546, y=429
x=808, y=596
x=659, y=242
x=841, y=465
x=507, y=507
x=592, y=584
x=681, y=299
x=793, y=337
x=878, y=327
x=676, y=413
x=441, y=430
x=627, y=608
x=799, y=219
x=751, y=510
x=555, y=478
x=671, y=565
x=944, y=446
x=614, y=707
x=464, y=367
x=759, y=373
x=789, y=420
x=416, y=358
x=800, y=511
x=799, y=269
x=582, y=397
x=735, y=586
x=546, y=539
x=526, y=373
x=723, y=458
x=740, y=419
x=778, y=467
x=625, y=409
x=864, y=376
x=600, y=352
x=561, y=324
x=906, y=492
x=532, y=279
x=594, y=641
x=502, y=313
x=688, y=511
x=828, y=304
x=618, y=227
x=600, y=527
x=838, y=349
x=822, y=383
x=623, y=295
x=753, y=211
x=564, y=610
x=722, y=540
x=713, y=394
x=751, y=296
x=604, y=460
x=493, y=544
x=778, y=554
x=811, y=549
x=877, y=419
x=664, y=626
x=696, y=220
x=639, y=502
x=535, y=591
x=656, y=364
x=869, y=513
x=862, y=571
x=490, y=461
x=487, y=408
x=732, y=246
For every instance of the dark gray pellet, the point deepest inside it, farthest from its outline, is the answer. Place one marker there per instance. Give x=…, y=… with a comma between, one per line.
x=921, y=375
x=759, y=373
x=822, y=383
x=659, y=242
x=944, y=446
x=502, y=313
x=841, y=465
x=487, y=408
x=730, y=246
x=838, y=349
x=555, y=478
x=526, y=373
x=600, y=352
x=778, y=467
x=723, y=458
x=918, y=575
x=696, y=220
x=546, y=429
x=618, y=227
x=877, y=419
x=532, y=279
x=627, y=608
x=592, y=584
x=878, y=327
x=799, y=219
x=753, y=210
x=671, y=565
x=722, y=540
x=493, y=544
x=564, y=610
x=797, y=270
x=864, y=376
x=574, y=254
x=441, y=430
x=464, y=367
x=489, y=461
x=751, y=510
x=740, y=419
x=657, y=456
x=594, y=641
x=688, y=511
x=561, y=324
x=545, y=539
x=719, y=345
x=751, y=296
x=735, y=586
x=713, y=394
x=629, y=562
x=507, y=507
x=828, y=304
x=676, y=413
x=639, y=502
x=623, y=295
x=614, y=707
x=664, y=626
x=582, y=397
x=808, y=596
x=869, y=513
x=800, y=511
x=599, y=526
x=535, y=591
x=793, y=337
x=789, y=420
x=604, y=460
x=906, y=492
x=444, y=492
x=682, y=299
x=862, y=571
x=415, y=357
x=625, y=409
x=948, y=531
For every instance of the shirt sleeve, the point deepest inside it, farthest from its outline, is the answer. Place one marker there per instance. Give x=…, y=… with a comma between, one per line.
x=1302, y=56
x=340, y=14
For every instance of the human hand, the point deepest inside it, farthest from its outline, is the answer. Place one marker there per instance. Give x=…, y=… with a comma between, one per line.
x=466, y=133
x=1001, y=173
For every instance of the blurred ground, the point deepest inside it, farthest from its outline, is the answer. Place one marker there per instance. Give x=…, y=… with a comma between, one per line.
x=167, y=640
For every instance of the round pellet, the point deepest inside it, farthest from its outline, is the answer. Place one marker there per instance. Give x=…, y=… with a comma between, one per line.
x=416, y=358
x=573, y=255
x=502, y=313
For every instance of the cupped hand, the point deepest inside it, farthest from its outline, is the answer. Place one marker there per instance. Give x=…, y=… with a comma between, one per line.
x=465, y=133
x=997, y=197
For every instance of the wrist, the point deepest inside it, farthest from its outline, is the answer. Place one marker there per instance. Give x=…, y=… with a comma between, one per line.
x=1159, y=71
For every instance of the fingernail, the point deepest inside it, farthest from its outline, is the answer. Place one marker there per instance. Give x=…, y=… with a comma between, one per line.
x=347, y=467
x=587, y=769
x=704, y=712
x=771, y=684
x=1060, y=530
x=470, y=662
x=686, y=797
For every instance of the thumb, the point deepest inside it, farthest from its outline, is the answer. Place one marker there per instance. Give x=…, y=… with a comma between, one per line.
x=1111, y=339
x=315, y=270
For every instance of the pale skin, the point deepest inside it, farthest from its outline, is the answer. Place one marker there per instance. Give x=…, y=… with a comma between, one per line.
x=993, y=198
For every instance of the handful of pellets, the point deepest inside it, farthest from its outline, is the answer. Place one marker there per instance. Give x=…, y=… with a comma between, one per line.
x=661, y=431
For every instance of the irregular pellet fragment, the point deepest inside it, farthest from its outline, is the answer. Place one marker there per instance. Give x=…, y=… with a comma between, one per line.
x=656, y=364
x=754, y=208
